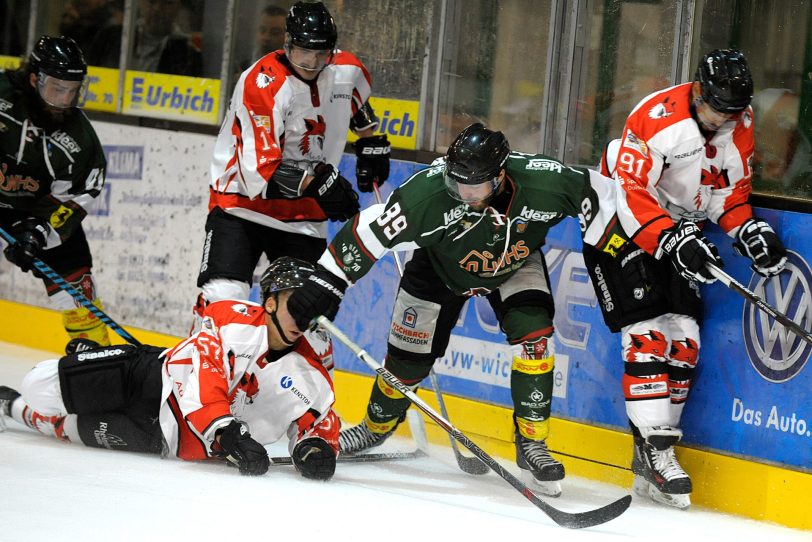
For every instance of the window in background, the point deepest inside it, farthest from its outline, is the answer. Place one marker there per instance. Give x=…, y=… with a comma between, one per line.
x=493, y=68
x=14, y=15
x=775, y=37
x=627, y=55
x=259, y=28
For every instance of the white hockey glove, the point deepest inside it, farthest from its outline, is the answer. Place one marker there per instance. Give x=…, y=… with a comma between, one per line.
x=757, y=240
x=689, y=251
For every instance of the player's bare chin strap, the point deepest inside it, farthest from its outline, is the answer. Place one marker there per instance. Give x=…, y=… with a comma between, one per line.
x=278, y=327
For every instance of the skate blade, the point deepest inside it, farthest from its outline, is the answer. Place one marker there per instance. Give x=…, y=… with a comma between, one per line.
x=644, y=488
x=548, y=488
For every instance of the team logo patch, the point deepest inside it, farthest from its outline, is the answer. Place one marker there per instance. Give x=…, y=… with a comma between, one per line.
x=286, y=382
x=263, y=80
x=614, y=245
x=634, y=142
x=662, y=110
x=776, y=353
x=409, y=318
x=315, y=129
x=262, y=121
x=60, y=216
x=240, y=309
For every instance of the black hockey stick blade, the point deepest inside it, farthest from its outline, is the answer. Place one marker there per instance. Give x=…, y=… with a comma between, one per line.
x=468, y=465
x=579, y=520
x=361, y=458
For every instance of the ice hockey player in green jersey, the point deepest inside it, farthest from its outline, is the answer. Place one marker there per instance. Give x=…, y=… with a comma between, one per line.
x=51, y=170
x=476, y=220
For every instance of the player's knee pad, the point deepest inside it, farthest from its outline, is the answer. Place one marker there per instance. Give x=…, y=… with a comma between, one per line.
x=41, y=389
x=645, y=378
x=80, y=323
x=531, y=383
x=96, y=380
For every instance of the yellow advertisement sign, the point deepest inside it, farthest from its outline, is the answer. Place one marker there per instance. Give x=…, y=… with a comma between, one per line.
x=397, y=119
x=175, y=97
x=9, y=62
x=102, y=89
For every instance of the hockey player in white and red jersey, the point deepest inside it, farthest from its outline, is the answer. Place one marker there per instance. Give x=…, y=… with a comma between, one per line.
x=274, y=173
x=684, y=158
x=247, y=378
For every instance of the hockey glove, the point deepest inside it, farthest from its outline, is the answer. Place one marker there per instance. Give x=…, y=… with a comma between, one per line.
x=689, y=251
x=372, y=164
x=314, y=458
x=757, y=240
x=333, y=193
x=247, y=454
x=30, y=234
x=320, y=295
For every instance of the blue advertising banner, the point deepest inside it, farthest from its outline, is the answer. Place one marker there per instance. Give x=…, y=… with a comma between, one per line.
x=750, y=395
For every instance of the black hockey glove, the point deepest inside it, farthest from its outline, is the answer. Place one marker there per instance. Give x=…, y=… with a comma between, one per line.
x=314, y=458
x=30, y=234
x=333, y=192
x=372, y=164
x=689, y=251
x=757, y=240
x=320, y=295
x=238, y=447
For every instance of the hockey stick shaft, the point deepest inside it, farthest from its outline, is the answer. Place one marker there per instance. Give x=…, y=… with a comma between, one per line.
x=467, y=464
x=364, y=458
x=564, y=519
x=54, y=277
x=780, y=317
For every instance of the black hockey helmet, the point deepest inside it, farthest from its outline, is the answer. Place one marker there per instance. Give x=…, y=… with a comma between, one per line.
x=725, y=80
x=476, y=156
x=310, y=26
x=58, y=57
x=284, y=273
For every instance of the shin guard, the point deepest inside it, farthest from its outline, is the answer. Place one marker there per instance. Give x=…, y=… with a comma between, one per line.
x=81, y=323
x=531, y=386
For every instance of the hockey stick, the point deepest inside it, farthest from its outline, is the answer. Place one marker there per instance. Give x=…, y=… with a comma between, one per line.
x=363, y=458
x=571, y=520
x=736, y=286
x=52, y=275
x=469, y=465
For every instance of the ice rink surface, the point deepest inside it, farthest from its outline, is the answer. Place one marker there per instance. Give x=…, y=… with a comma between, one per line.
x=55, y=491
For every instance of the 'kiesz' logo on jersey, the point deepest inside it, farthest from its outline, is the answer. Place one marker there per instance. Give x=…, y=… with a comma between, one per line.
x=776, y=353
x=102, y=354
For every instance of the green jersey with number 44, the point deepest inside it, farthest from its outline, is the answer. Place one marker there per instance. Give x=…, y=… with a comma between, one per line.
x=474, y=251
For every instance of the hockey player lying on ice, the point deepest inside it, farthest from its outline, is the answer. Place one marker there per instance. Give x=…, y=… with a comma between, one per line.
x=199, y=399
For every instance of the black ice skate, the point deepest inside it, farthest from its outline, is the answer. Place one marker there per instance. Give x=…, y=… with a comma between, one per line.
x=658, y=475
x=359, y=438
x=539, y=469
x=7, y=396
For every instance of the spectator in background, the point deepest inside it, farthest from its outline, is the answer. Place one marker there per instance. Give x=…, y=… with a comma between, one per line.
x=270, y=36
x=270, y=30
x=83, y=20
x=159, y=44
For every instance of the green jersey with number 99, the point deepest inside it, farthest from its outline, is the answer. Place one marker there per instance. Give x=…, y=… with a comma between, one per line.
x=475, y=251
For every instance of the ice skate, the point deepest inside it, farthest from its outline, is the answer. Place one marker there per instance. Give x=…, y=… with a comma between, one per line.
x=658, y=475
x=359, y=438
x=7, y=396
x=539, y=469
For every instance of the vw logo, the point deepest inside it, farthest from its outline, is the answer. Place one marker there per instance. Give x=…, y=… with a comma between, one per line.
x=775, y=352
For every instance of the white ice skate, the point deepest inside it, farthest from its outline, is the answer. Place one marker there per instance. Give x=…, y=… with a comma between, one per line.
x=658, y=474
